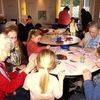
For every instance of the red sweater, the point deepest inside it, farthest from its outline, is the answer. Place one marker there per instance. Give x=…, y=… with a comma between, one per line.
x=64, y=17
x=33, y=47
x=10, y=84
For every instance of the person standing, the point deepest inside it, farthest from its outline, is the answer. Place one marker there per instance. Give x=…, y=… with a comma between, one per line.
x=85, y=19
x=64, y=18
x=29, y=25
x=22, y=29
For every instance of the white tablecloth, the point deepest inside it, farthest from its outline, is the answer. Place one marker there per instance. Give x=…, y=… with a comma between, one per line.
x=73, y=65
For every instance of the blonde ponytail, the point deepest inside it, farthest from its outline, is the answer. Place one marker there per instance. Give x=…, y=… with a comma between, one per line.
x=44, y=81
x=46, y=60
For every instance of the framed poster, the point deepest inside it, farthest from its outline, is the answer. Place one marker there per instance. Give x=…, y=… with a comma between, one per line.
x=42, y=15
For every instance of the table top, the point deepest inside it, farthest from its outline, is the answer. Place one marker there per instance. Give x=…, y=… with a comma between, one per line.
x=66, y=40
x=73, y=65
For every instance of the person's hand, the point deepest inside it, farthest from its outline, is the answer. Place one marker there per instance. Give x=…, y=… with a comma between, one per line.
x=24, y=43
x=48, y=46
x=89, y=49
x=21, y=66
x=61, y=75
x=87, y=75
x=98, y=64
x=31, y=66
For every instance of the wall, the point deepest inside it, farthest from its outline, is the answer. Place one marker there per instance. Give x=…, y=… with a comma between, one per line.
x=11, y=9
x=95, y=9
x=1, y=8
x=46, y=8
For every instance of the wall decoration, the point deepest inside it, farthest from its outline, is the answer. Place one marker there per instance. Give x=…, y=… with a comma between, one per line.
x=42, y=15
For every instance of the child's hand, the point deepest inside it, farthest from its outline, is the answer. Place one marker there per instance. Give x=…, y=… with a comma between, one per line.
x=87, y=75
x=61, y=75
x=30, y=66
x=48, y=46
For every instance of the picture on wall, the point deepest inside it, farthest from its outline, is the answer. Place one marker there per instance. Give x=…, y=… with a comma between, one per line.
x=42, y=15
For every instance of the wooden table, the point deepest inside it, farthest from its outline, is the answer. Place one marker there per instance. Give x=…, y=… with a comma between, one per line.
x=51, y=40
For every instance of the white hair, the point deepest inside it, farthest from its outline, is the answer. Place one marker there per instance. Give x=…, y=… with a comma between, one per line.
x=5, y=42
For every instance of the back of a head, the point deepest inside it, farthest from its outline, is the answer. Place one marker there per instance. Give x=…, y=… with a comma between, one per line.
x=72, y=19
x=38, y=26
x=29, y=17
x=83, y=10
x=66, y=8
x=46, y=59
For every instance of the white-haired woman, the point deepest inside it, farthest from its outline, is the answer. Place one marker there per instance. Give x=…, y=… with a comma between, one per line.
x=9, y=82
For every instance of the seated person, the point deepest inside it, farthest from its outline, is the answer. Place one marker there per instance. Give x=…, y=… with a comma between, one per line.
x=32, y=42
x=9, y=82
x=43, y=85
x=39, y=27
x=91, y=91
x=17, y=57
x=92, y=39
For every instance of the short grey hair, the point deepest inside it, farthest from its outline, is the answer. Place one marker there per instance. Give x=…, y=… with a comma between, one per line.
x=94, y=24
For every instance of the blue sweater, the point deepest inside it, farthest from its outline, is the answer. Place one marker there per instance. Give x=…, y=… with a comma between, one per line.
x=91, y=92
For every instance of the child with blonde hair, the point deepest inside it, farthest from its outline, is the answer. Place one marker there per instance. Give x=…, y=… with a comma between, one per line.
x=73, y=27
x=42, y=84
x=32, y=42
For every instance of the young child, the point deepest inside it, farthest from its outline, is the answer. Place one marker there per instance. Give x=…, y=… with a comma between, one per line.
x=92, y=92
x=42, y=84
x=32, y=42
x=73, y=27
x=39, y=27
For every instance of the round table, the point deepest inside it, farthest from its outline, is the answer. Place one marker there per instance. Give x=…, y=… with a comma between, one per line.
x=52, y=40
x=73, y=65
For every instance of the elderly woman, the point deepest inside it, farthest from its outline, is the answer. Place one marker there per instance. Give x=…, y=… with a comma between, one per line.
x=9, y=82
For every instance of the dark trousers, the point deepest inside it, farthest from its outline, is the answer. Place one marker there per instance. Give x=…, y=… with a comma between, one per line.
x=21, y=94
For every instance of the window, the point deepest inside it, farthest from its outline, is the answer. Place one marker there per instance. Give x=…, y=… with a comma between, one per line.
x=86, y=4
x=74, y=6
